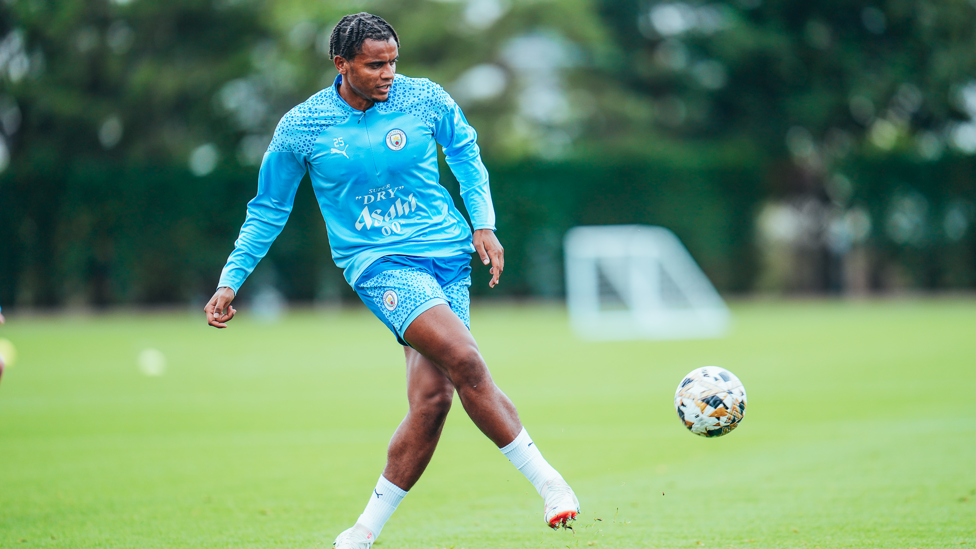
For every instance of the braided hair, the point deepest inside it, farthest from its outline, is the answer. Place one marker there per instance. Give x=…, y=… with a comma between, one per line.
x=352, y=30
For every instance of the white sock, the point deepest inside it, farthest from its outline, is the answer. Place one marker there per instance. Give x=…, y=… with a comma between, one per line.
x=382, y=502
x=526, y=457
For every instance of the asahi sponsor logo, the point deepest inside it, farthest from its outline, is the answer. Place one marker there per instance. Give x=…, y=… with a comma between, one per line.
x=386, y=218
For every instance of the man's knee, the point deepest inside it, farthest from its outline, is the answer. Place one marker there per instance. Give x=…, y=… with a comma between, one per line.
x=433, y=402
x=467, y=368
x=440, y=401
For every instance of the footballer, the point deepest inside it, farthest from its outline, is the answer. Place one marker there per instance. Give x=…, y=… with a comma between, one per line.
x=369, y=144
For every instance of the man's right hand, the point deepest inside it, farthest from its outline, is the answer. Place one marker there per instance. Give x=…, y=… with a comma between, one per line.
x=219, y=312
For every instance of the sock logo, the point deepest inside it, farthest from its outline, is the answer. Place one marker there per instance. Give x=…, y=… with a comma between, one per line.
x=530, y=444
x=377, y=493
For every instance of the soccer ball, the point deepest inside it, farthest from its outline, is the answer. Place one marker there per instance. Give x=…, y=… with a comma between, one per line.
x=711, y=401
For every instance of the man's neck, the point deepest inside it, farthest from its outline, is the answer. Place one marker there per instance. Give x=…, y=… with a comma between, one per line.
x=352, y=98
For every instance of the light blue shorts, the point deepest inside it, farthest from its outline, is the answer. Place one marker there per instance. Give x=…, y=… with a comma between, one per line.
x=399, y=288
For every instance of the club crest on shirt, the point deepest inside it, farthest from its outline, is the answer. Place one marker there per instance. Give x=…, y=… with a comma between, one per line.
x=396, y=140
x=390, y=300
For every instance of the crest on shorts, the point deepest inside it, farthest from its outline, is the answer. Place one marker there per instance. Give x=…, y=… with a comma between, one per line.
x=390, y=300
x=396, y=140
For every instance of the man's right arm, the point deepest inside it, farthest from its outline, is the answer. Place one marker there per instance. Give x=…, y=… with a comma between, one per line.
x=281, y=172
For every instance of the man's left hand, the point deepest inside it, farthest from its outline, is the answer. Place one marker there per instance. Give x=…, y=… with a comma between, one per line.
x=491, y=252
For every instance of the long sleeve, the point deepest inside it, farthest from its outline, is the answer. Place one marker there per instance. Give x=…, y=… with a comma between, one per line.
x=460, y=142
x=281, y=172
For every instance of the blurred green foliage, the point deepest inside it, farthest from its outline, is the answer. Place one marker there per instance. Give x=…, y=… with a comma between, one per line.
x=819, y=146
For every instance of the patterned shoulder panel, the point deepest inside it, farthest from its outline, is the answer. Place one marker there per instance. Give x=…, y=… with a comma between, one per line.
x=417, y=96
x=301, y=126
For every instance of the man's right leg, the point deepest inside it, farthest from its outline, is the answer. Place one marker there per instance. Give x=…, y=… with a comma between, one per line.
x=429, y=394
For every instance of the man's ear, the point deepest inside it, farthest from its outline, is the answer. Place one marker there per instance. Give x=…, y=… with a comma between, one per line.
x=340, y=65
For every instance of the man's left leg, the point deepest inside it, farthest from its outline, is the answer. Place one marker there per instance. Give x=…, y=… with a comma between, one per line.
x=441, y=336
x=443, y=341
x=443, y=344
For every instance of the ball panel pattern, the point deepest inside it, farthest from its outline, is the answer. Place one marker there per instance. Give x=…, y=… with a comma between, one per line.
x=710, y=401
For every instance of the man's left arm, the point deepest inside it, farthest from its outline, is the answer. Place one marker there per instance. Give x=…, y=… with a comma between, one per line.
x=460, y=143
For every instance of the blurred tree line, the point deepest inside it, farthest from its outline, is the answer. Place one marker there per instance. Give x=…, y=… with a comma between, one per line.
x=822, y=146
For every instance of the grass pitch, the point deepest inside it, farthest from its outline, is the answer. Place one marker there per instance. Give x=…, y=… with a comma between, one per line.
x=860, y=432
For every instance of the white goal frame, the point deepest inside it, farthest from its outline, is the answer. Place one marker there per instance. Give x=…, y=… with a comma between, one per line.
x=663, y=293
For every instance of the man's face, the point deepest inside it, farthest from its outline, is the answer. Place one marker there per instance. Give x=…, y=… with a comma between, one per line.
x=370, y=73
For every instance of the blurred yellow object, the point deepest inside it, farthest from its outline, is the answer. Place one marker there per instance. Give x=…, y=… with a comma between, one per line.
x=8, y=352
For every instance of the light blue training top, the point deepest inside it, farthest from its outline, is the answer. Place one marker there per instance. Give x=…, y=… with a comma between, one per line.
x=375, y=176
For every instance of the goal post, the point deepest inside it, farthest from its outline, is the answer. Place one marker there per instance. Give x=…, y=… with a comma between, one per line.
x=638, y=282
